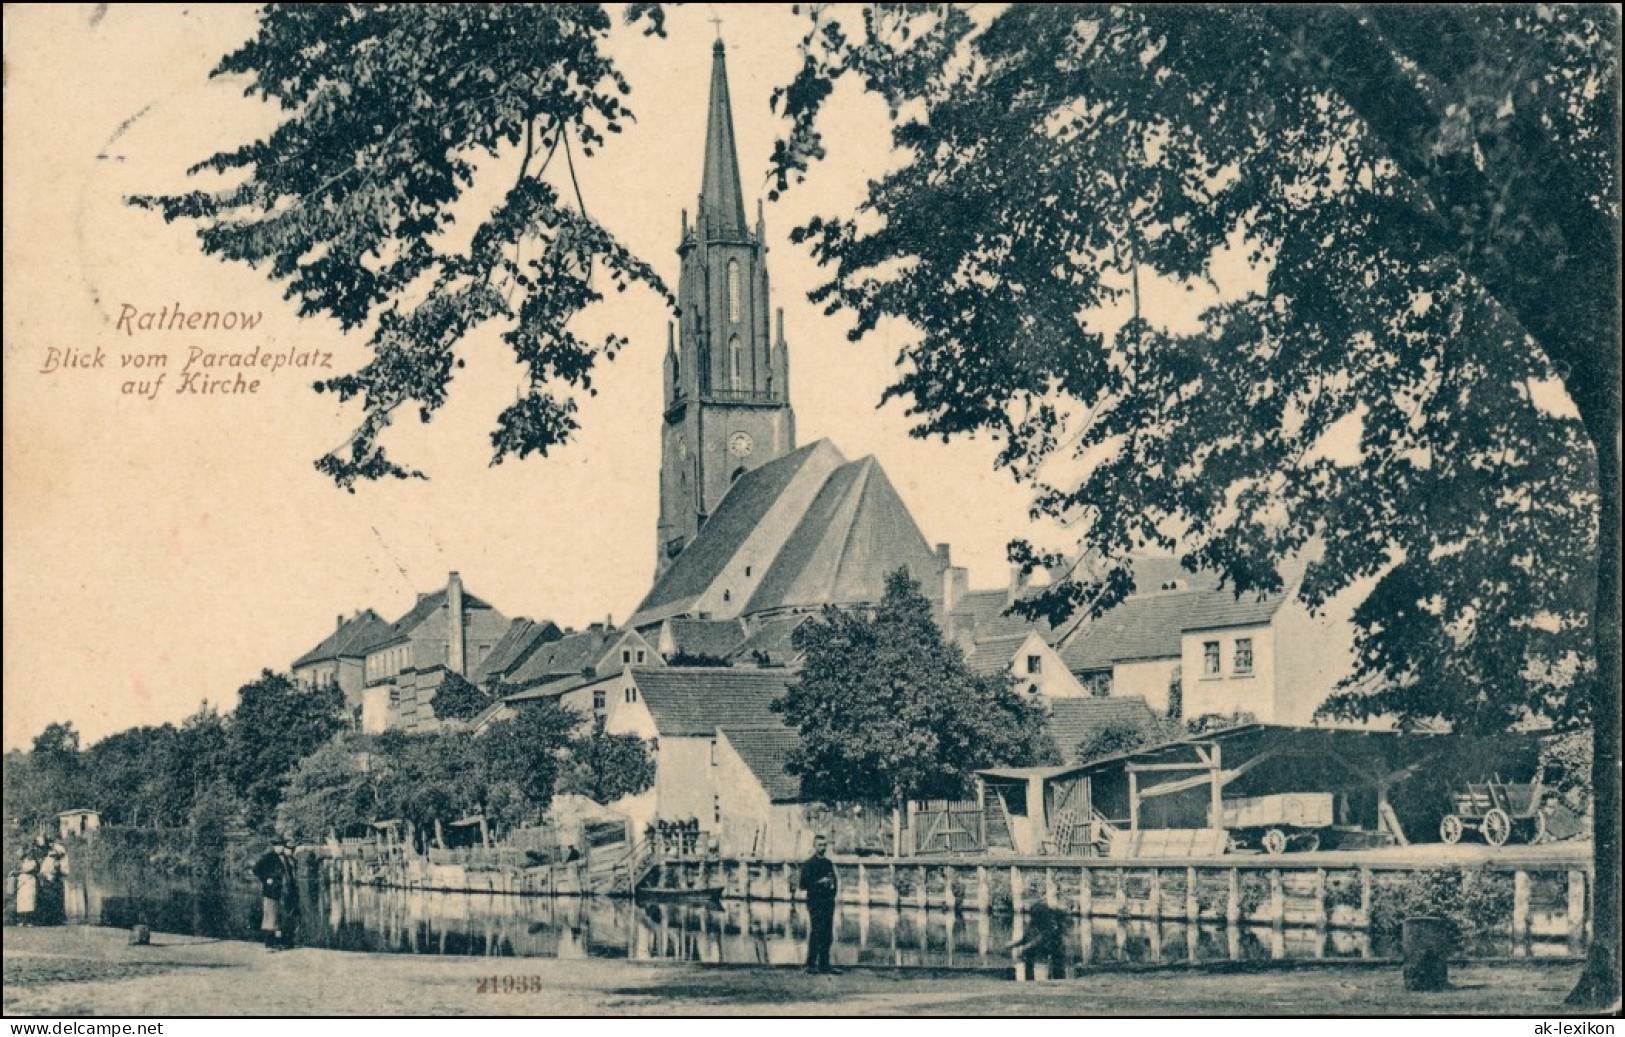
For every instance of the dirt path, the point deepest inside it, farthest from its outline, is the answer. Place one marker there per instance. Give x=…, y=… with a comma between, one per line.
x=87, y=971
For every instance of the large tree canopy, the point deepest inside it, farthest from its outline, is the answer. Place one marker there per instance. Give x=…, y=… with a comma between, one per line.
x=889, y=711
x=1428, y=196
x=353, y=200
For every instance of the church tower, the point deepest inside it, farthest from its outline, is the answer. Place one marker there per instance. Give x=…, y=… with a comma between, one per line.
x=727, y=378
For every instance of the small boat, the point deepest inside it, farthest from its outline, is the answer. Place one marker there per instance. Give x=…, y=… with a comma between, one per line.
x=696, y=894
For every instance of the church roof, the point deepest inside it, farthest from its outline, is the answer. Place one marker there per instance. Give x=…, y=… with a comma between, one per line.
x=352, y=638
x=722, y=203
x=856, y=531
x=719, y=540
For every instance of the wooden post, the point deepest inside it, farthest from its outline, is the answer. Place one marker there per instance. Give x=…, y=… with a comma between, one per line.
x=913, y=829
x=742, y=877
x=1154, y=897
x=1320, y=912
x=896, y=899
x=981, y=815
x=1051, y=895
x=1277, y=899
x=1086, y=897
x=1215, y=806
x=1520, y=908
x=920, y=894
x=1120, y=906
x=1018, y=892
x=896, y=833
x=984, y=895
x=1577, y=905
x=1133, y=802
x=1365, y=898
x=1232, y=902
x=863, y=885
x=789, y=881
x=1193, y=907
x=950, y=902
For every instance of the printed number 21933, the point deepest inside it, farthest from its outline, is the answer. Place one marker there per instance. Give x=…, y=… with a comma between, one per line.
x=508, y=985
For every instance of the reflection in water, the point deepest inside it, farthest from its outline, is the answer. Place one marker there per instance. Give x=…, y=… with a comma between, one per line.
x=364, y=918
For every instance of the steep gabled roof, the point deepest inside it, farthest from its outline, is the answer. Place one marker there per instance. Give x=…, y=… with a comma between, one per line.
x=995, y=654
x=1073, y=721
x=569, y=656
x=765, y=751
x=1148, y=627
x=353, y=638
x=856, y=532
x=738, y=515
x=772, y=639
x=694, y=701
x=522, y=637
x=426, y=606
x=1215, y=610
x=716, y=638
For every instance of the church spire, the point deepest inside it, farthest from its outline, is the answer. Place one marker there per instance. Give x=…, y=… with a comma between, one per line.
x=722, y=204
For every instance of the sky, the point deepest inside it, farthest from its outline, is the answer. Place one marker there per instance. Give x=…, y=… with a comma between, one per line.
x=162, y=551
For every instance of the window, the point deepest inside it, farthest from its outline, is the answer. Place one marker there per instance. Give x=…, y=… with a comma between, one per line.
x=1210, y=658
x=733, y=290
x=626, y=655
x=1035, y=664
x=1244, y=655
x=599, y=700
x=640, y=655
x=736, y=352
x=713, y=752
x=716, y=809
x=747, y=570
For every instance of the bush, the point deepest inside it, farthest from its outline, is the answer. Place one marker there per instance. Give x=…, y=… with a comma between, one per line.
x=1478, y=907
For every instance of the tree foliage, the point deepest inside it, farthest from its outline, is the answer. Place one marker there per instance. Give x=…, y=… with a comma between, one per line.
x=1430, y=198
x=356, y=201
x=275, y=725
x=1122, y=736
x=606, y=767
x=889, y=711
x=457, y=699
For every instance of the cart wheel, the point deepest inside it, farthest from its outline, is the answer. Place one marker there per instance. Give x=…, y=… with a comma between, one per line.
x=1310, y=843
x=1274, y=841
x=1450, y=829
x=1497, y=827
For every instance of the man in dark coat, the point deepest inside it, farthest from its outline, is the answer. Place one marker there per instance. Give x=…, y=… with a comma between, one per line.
x=279, y=895
x=818, y=881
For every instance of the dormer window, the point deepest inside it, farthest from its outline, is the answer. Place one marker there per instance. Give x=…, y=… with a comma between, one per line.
x=1035, y=664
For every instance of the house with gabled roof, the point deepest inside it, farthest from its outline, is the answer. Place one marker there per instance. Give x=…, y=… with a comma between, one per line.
x=446, y=631
x=720, y=754
x=339, y=659
x=512, y=649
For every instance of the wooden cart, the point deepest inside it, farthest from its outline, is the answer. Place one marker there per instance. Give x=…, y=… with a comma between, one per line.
x=1278, y=823
x=1499, y=811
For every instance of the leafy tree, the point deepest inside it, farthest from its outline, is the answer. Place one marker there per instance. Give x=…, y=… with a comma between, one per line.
x=275, y=725
x=521, y=760
x=1429, y=196
x=1122, y=736
x=889, y=711
x=606, y=767
x=127, y=772
x=351, y=200
x=457, y=699
x=328, y=791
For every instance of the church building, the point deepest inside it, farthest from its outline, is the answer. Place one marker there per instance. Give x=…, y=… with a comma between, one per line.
x=750, y=525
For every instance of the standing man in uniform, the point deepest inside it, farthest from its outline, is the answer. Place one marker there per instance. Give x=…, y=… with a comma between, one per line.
x=819, y=883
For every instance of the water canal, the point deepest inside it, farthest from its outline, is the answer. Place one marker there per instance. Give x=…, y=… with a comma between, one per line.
x=380, y=920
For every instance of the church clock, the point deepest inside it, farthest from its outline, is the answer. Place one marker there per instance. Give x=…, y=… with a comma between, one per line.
x=739, y=444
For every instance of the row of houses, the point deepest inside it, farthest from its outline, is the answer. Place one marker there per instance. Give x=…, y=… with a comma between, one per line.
x=700, y=689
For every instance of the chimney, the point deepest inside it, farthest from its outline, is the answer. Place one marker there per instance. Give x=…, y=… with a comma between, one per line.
x=454, y=621
x=955, y=585
x=340, y=624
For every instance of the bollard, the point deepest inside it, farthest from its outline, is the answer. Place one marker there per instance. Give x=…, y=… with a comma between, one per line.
x=1426, y=941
